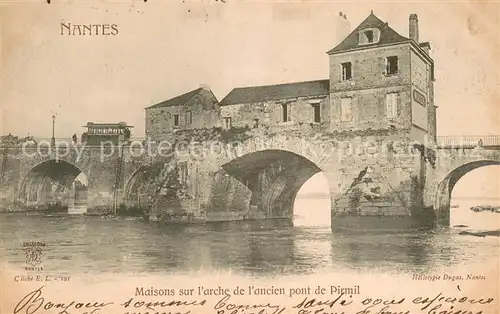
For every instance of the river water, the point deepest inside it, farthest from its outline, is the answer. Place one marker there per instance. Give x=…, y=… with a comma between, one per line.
x=83, y=244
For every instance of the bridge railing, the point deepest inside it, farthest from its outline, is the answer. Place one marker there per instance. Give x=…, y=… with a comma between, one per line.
x=467, y=141
x=463, y=141
x=33, y=141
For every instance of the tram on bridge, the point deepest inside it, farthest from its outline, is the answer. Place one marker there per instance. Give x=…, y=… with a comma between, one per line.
x=98, y=133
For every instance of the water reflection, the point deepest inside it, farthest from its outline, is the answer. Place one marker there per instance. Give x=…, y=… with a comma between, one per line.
x=94, y=244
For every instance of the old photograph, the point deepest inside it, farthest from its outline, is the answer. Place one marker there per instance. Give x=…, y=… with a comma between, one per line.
x=262, y=139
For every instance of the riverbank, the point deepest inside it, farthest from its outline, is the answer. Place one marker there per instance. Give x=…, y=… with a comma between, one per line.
x=486, y=208
x=493, y=233
x=98, y=212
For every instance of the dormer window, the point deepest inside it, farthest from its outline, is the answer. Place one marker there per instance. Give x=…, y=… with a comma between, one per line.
x=369, y=36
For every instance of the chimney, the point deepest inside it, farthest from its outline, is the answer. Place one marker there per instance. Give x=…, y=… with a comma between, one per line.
x=426, y=46
x=342, y=28
x=205, y=86
x=413, y=27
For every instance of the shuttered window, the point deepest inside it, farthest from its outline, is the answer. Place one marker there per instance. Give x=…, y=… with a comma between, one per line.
x=346, y=109
x=391, y=105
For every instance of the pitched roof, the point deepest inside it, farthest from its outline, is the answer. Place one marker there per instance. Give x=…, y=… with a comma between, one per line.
x=178, y=100
x=255, y=94
x=387, y=35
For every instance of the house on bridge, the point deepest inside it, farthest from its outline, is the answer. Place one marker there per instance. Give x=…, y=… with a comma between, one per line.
x=379, y=80
x=380, y=90
x=193, y=110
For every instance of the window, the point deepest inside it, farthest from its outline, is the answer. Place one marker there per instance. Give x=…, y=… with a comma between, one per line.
x=316, y=112
x=391, y=65
x=346, y=109
x=188, y=118
x=255, y=123
x=369, y=36
x=176, y=120
x=183, y=173
x=286, y=113
x=227, y=123
x=346, y=71
x=391, y=105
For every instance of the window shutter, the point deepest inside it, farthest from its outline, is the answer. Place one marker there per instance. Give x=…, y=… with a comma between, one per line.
x=346, y=109
x=376, y=35
x=388, y=104
x=395, y=105
x=361, y=38
x=349, y=109
x=391, y=105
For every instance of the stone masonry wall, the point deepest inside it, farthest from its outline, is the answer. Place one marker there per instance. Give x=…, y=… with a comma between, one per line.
x=100, y=168
x=269, y=114
x=376, y=183
x=368, y=67
x=378, y=175
x=369, y=109
x=420, y=75
x=368, y=88
x=204, y=113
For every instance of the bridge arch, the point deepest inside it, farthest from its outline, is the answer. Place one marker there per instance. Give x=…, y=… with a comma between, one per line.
x=132, y=197
x=272, y=179
x=152, y=188
x=445, y=187
x=53, y=183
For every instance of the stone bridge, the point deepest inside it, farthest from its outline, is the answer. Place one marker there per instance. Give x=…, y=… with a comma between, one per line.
x=379, y=179
x=457, y=156
x=35, y=176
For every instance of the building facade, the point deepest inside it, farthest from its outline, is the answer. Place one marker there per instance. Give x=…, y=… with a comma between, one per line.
x=196, y=109
x=379, y=79
x=277, y=106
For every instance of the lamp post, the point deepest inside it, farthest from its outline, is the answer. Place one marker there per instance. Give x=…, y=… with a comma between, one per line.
x=53, y=140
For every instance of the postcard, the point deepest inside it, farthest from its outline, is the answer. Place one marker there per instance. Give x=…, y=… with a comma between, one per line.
x=249, y=157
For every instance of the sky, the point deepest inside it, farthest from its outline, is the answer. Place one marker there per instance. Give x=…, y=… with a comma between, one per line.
x=166, y=48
